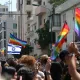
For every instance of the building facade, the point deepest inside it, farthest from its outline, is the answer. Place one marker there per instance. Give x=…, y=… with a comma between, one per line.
x=67, y=12
x=8, y=24
x=32, y=18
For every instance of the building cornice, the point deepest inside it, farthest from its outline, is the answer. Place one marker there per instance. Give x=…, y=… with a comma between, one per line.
x=66, y=5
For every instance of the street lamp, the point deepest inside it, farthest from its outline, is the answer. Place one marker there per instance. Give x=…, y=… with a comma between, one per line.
x=50, y=19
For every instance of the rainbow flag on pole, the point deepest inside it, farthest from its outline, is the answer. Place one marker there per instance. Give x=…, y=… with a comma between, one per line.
x=60, y=41
x=77, y=22
x=14, y=40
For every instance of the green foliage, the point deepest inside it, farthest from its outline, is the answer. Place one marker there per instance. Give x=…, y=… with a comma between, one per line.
x=56, y=2
x=44, y=36
x=26, y=50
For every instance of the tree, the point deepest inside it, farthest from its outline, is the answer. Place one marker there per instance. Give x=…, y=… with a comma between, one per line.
x=26, y=50
x=56, y=2
x=44, y=36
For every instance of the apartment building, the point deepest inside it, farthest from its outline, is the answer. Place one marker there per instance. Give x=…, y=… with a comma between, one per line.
x=3, y=10
x=34, y=17
x=42, y=13
x=26, y=11
x=8, y=24
x=67, y=12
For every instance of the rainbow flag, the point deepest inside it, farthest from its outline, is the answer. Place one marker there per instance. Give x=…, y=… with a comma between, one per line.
x=14, y=40
x=2, y=50
x=60, y=41
x=77, y=21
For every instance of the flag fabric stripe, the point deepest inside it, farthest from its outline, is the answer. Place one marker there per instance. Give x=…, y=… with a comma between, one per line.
x=77, y=21
x=16, y=41
x=60, y=41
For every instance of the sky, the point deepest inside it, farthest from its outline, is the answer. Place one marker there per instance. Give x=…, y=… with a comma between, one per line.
x=9, y=6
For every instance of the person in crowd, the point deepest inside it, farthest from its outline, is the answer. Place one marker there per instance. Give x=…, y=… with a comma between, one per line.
x=70, y=58
x=71, y=61
x=30, y=63
x=43, y=61
x=26, y=73
x=9, y=72
x=38, y=71
x=11, y=62
x=65, y=73
x=56, y=70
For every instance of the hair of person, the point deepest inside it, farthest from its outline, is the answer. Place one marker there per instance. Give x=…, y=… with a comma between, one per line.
x=56, y=71
x=62, y=54
x=44, y=59
x=26, y=73
x=28, y=60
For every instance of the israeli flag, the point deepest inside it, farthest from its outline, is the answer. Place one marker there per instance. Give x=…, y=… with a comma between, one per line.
x=13, y=49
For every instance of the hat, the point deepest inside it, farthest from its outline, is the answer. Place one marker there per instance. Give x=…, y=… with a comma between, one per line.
x=62, y=54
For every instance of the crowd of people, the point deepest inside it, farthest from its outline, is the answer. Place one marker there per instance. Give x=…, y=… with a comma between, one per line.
x=65, y=67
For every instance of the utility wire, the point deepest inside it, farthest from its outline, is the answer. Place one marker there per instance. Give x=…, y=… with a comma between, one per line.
x=16, y=14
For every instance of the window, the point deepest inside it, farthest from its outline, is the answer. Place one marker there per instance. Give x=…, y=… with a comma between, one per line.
x=56, y=20
x=39, y=2
x=10, y=14
x=44, y=21
x=43, y=3
x=6, y=9
x=40, y=20
x=14, y=26
x=3, y=9
x=64, y=18
x=0, y=26
x=28, y=14
x=15, y=34
x=4, y=43
x=21, y=2
x=0, y=44
x=35, y=27
x=18, y=4
x=28, y=2
x=0, y=35
x=0, y=14
x=28, y=29
x=4, y=34
x=0, y=10
x=4, y=25
x=28, y=24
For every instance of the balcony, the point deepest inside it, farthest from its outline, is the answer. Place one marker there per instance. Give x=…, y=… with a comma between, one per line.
x=40, y=10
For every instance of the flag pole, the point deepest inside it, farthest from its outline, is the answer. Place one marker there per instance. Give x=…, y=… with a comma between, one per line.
x=74, y=26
